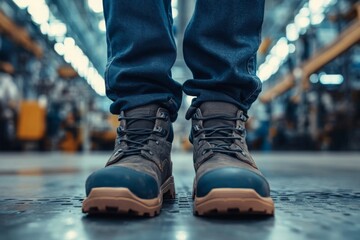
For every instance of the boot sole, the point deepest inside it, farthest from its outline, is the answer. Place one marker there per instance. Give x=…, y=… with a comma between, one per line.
x=232, y=201
x=121, y=201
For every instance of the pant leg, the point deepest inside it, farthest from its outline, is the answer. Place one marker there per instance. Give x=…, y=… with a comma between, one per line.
x=220, y=46
x=141, y=52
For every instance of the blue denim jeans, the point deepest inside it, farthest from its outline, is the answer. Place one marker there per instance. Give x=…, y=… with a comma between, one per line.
x=220, y=46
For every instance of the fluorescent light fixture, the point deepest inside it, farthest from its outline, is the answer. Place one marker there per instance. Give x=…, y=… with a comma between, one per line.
x=102, y=25
x=175, y=12
x=304, y=11
x=292, y=33
x=301, y=22
x=312, y=12
x=314, y=78
x=44, y=28
x=292, y=48
x=96, y=6
x=59, y=48
x=69, y=42
x=57, y=29
x=22, y=3
x=281, y=48
x=331, y=79
x=318, y=18
x=65, y=46
x=39, y=11
x=316, y=6
x=278, y=54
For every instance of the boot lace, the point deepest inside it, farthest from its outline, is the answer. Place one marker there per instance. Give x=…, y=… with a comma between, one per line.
x=138, y=138
x=221, y=137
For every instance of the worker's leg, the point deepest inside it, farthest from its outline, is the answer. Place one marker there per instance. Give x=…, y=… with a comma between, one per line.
x=141, y=52
x=220, y=46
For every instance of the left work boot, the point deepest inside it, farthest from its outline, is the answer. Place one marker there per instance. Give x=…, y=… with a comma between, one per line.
x=139, y=172
x=227, y=179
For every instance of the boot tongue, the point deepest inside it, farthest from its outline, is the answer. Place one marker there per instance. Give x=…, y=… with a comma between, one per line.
x=209, y=109
x=142, y=112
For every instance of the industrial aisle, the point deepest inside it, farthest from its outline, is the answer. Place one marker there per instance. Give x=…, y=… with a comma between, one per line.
x=317, y=196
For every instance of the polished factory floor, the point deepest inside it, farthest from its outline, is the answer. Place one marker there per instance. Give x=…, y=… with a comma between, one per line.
x=317, y=196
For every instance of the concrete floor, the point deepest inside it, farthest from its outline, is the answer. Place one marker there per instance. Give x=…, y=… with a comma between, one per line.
x=317, y=196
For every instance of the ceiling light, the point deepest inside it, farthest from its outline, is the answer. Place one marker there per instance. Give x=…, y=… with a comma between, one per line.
x=95, y=5
x=59, y=48
x=175, y=12
x=22, y=3
x=102, y=25
x=331, y=79
x=39, y=11
x=65, y=46
x=316, y=19
x=292, y=33
x=57, y=29
x=301, y=22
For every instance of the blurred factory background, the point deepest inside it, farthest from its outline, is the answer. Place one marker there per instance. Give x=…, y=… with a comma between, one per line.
x=53, y=56
x=52, y=102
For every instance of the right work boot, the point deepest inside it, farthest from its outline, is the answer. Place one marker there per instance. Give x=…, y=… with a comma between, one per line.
x=139, y=172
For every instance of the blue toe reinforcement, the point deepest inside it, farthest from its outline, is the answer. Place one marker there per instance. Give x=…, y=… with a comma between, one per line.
x=231, y=177
x=141, y=184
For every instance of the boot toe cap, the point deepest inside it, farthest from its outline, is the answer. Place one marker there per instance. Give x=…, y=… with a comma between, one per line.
x=231, y=177
x=141, y=184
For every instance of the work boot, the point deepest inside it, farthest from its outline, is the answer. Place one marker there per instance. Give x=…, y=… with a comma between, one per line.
x=139, y=172
x=227, y=179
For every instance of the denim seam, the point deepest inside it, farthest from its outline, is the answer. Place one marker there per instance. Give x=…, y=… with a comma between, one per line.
x=257, y=88
x=251, y=61
x=107, y=68
x=254, y=77
x=171, y=22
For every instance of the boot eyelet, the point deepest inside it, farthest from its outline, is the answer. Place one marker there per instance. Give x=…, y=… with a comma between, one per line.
x=151, y=153
x=120, y=130
x=118, y=152
x=204, y=152
x=196, y=128
x=164, y=116
x=157, y=142
x=163, y=132
x=158, y=129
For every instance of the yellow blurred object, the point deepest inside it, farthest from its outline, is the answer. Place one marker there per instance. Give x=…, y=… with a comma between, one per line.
x=264, y=46
x=72, y=140
x=67, y=72
x=186, y=144
x=70, y=143
x=114, y=121
x=7, y=67
x=31, y=122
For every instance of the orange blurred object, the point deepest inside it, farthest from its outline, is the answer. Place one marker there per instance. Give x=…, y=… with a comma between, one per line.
x=31, y=122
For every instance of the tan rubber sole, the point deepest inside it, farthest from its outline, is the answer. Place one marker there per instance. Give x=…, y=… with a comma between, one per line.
x=122, y=201
x=233, y=201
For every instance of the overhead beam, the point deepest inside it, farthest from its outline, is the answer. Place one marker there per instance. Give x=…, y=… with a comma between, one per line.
x=19, y=35
x=346, y=40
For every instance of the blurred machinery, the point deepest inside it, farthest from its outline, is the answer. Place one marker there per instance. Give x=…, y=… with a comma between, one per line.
x=311, y=80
